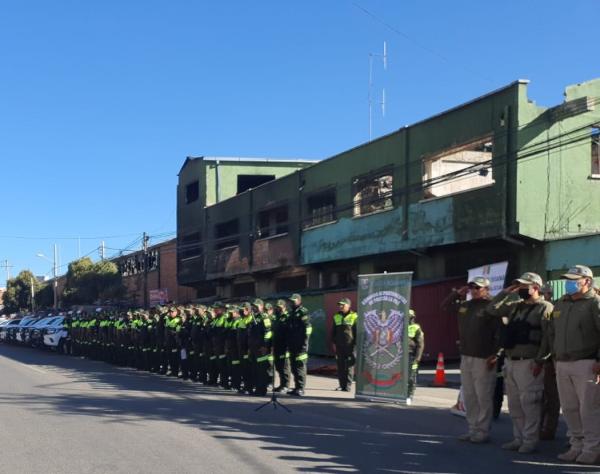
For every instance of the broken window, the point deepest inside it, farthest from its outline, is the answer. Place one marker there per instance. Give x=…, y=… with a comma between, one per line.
x=244, y=289
x=190, y=246
x=290, y=284
x=251, y=181
x=321, y=208
x=227, y=234
x=272, y=222
x=192, y=192
x=460, y=168
x=134, y=264
x=596, y=152
x=372, y=193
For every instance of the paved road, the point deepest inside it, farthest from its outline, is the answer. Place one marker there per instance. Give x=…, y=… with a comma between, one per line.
x=69, y=415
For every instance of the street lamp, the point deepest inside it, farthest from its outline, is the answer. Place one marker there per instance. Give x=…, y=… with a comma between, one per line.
x=54, y=271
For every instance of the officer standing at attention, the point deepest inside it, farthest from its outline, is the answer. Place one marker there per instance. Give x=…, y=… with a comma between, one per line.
x=479, y=334
x=280, y=346
x=343, y=338
x=300, y=329
x=416, y=345
x=575, y=333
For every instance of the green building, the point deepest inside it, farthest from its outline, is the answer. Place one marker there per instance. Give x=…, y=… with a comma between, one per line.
x=498, y=178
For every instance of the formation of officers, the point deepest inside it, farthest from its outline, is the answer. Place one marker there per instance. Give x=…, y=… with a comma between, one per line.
x=232, y=346
x=552, y=360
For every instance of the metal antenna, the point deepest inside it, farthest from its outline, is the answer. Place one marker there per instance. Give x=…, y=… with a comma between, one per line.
x=382, y=103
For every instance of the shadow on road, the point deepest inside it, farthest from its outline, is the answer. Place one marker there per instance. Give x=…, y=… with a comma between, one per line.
x=322, y=434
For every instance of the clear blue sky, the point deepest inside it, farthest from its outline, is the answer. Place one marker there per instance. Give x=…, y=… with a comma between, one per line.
x=101, y=101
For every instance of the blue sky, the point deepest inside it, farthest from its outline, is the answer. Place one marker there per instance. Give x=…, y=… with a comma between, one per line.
x=100, y=102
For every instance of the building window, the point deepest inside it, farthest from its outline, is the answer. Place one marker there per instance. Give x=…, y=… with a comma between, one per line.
x=241, y=290
x=251, y=181
x=321, y=208
x=290, y=284
x=190, y=246
x=458, y=169
x=372, y=193
x=192, y=192
x=596, y=152
x=272, y=222
x=227, y=234
x=134, y=264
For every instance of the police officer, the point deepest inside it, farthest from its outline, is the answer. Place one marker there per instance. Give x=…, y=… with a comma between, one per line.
x=416, y=345
x=343, y=338
x=232, y=348
x=550, y=400
x=246, y=319
x=525, y=344
x=479, y=334
x=260, y=338
x=575, y=334
x=171, y=325
x=299, y=331
x=281, y=354
x=182, y=335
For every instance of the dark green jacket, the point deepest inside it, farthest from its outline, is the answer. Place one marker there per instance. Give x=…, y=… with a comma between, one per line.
x=575, y=328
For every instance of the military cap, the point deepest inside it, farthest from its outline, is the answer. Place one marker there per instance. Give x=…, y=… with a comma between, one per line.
x=295, y=298
x=530, y=278
x=578, y=271
x=258, y=302
x=268, y=306
x=282, y=303
x=481, y=282
x=345, y=301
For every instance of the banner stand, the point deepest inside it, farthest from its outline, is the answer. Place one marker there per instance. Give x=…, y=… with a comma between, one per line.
x=382, y=369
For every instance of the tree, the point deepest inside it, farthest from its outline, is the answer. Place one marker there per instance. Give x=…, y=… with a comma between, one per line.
x=18, y=292
x=89, y=283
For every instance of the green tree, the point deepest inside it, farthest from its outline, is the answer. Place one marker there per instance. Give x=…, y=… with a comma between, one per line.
x=18, y=292
x=89, y=283
x=44, y=297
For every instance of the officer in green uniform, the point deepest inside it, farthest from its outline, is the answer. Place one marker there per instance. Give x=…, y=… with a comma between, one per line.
x=171, y=325
x=299, y=331
x=280, y=345
x=416, y=345
x=260, y=338
x=232, y=350
x=246, y=319
x=343, y=337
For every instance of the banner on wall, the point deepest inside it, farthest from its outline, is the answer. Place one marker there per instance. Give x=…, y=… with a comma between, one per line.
x=382, y=336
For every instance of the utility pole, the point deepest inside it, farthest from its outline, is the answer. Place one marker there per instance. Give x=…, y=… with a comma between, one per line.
x=102, y=251
x=7, y=267
x=145, y=239
x=32, y=297
x=55, y=282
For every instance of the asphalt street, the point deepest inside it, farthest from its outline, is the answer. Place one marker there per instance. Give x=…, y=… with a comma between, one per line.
x=69, y=415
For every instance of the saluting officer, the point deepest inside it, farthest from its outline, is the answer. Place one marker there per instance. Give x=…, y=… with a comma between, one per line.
x=527, y=316
x=479, y=334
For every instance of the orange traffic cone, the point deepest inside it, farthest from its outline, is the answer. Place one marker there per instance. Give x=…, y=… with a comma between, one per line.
x=440, y=372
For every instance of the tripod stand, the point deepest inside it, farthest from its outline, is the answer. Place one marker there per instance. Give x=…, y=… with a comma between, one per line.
x=273, y=401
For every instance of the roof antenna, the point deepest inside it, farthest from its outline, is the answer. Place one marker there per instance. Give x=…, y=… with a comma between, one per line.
x=382, y=103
